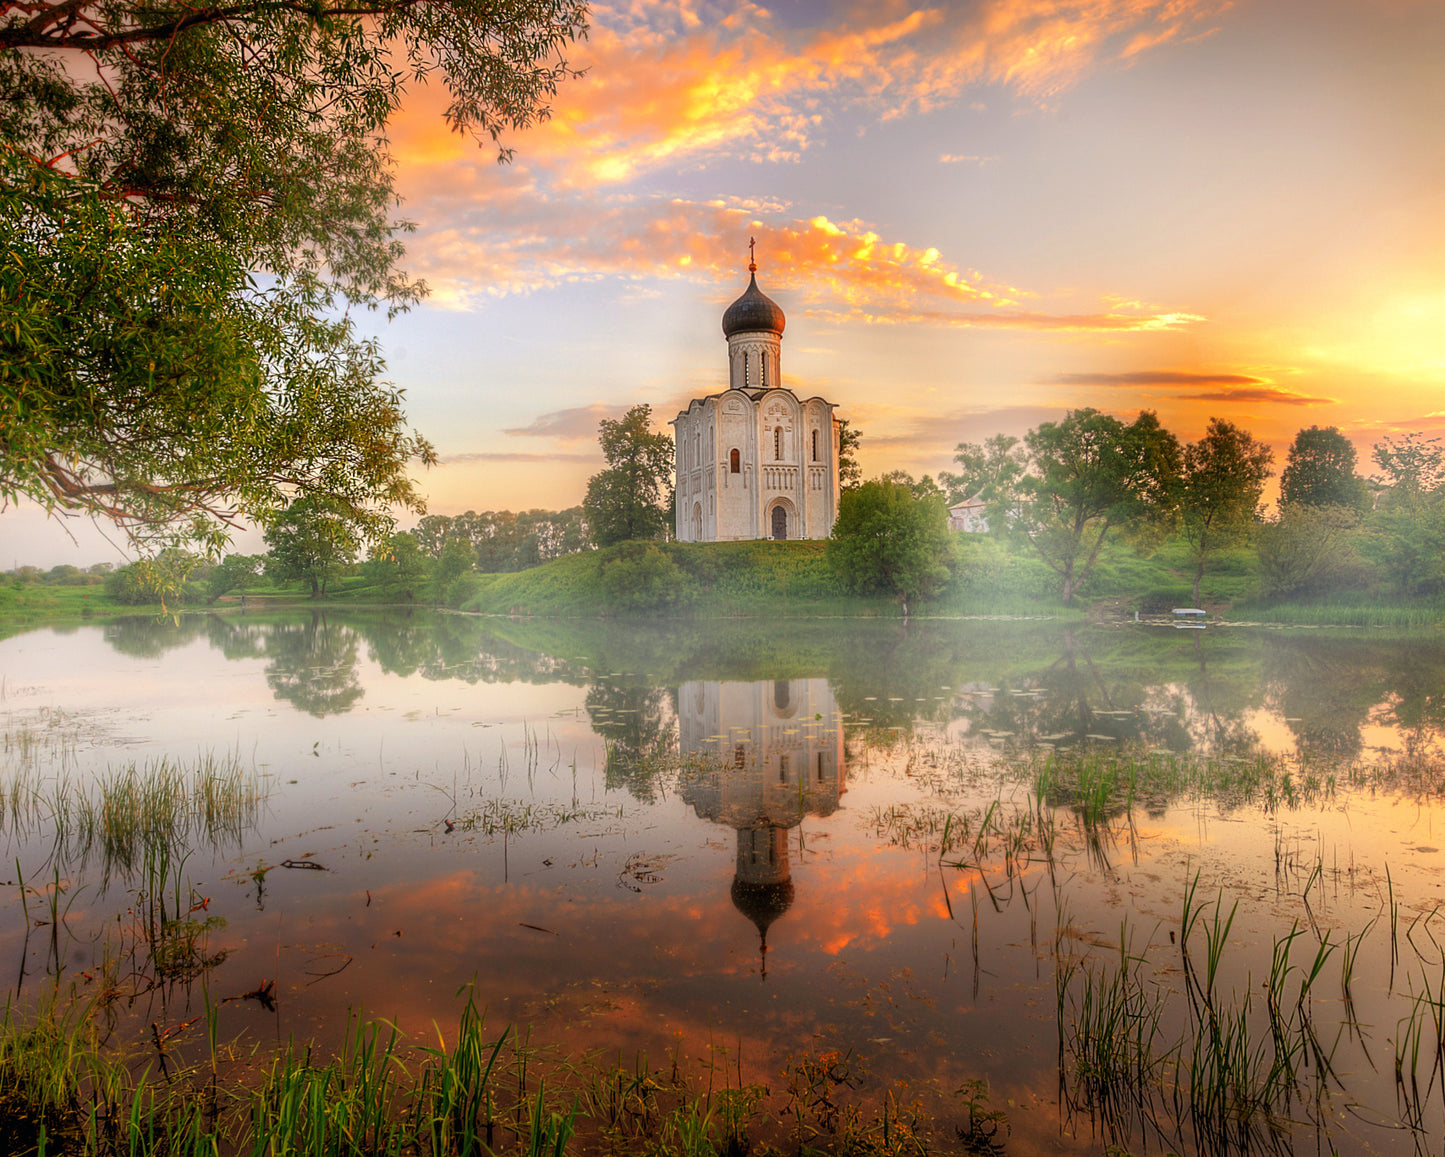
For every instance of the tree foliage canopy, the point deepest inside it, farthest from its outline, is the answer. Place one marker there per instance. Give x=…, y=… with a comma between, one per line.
x=632, y=498
x=313, y=540
x=190, y=199
x=1223, y=479
x=1085, y=477
x=889, y=541
x=1320, y=471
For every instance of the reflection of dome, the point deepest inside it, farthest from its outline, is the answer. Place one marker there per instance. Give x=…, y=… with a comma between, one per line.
x=753, y=312
x=762, y=903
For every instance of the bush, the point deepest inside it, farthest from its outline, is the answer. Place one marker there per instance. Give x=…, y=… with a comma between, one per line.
x=1310, y=550
x=1162, y=600
x=638, y=578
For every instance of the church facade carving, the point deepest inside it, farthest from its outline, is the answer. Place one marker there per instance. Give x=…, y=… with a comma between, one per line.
x=755, y=461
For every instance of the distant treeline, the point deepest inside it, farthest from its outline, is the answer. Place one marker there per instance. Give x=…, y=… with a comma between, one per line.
x=502, y=542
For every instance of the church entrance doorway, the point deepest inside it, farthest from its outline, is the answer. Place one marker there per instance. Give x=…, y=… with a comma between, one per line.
x=780, y=522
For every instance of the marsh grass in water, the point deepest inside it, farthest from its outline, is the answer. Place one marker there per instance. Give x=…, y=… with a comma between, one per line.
x=65, y=1093
x=513, y=817
x=117, y=819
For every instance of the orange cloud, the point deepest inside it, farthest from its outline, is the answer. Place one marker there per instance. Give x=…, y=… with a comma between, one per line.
x=838, y=271
x=1259, y=394
x=668, y=86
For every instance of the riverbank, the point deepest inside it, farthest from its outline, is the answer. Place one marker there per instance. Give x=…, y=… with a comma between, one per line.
x=782, y=580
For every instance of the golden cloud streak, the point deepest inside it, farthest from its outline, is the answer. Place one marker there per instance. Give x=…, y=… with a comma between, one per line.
x=836, y=271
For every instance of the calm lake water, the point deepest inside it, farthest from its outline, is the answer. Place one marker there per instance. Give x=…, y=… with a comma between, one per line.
x=749, y=843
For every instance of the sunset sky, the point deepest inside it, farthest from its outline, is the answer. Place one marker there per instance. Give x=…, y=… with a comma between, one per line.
x=975, y=215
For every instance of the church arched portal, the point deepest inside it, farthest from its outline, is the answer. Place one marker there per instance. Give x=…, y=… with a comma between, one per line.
x=783, y=521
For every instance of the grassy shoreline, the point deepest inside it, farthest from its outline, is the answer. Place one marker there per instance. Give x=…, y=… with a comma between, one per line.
x=761, y=580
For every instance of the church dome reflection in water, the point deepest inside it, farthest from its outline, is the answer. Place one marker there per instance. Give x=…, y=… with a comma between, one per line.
x=771, y=754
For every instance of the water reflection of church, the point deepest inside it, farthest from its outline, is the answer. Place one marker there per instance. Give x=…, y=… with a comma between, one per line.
x=772, y=753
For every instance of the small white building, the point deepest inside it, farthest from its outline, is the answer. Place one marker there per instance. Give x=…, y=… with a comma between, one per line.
x=755, y=461
x=968, y=516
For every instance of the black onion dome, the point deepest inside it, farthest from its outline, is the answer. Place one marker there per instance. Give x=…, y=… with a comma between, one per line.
x=752, y=312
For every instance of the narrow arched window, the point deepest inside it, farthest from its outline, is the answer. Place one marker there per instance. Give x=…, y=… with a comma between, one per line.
x=697, y=449
x=778, y=443
x=815, y=445
x=763, y=370
x=735, y=462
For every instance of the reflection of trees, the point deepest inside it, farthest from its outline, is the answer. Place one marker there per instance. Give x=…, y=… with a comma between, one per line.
x=1181, y=690
x=1414, y=699
x=1183, y=693
x=312, y=664
x=237, y=638
x=893, y=678
x=639, y=724
x=150, y=636
x=1328, y=689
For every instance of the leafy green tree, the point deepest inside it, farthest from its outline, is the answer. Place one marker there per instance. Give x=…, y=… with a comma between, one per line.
x=235, y=570
x=314, y=540
x=1309, y=550
x=1413, y=467
x=457, y=559
x=1088, y=476
x=632, y=498
x=192, y=198
x=1408, y=539
x=1320, y=471
x=850, y=473
x=920, y=488
x=888, y=541
x=161, y=579
x=1223, y=478
x=432, y=532
x=991, y=470
x=397, y=564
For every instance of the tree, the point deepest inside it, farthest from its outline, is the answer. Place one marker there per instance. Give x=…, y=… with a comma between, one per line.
x=632, y=498
x=1087, y=476
x=1320, y=471
x=397, y=563
x=1413, y=467
x=888, y=541
x=1309, y=550
x=990, y=470
x=235, y=570
x=920, y=488
x=313, y=540
x=192, y=197
x=1223, y=478
x=1409, y=526
x=850, y=473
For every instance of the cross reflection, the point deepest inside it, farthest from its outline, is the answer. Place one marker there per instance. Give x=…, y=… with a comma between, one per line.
x=771, y=752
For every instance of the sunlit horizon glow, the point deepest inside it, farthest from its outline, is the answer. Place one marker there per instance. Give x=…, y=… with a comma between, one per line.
x=976, y=217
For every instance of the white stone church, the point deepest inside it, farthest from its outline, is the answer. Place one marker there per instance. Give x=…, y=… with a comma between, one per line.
x=756, y=461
